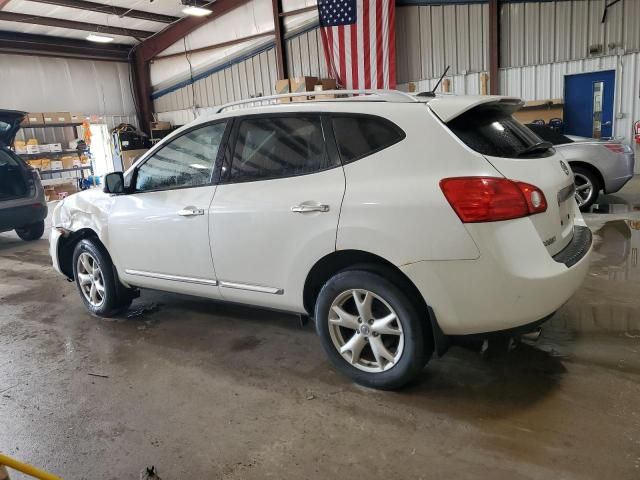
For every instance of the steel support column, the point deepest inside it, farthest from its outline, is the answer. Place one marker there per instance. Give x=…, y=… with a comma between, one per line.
x=494, y=47
x=278, y=28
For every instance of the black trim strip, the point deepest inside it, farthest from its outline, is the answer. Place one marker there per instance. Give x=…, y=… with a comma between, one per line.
x=577, y=248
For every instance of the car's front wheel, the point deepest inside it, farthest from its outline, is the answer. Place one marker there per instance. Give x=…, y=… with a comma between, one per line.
x=371, y=331
x=31, y=232
x=97, y=282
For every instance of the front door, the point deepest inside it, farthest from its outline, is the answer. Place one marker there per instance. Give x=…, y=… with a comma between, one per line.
x=276, y=209
x=588, y=104
x=159, y=233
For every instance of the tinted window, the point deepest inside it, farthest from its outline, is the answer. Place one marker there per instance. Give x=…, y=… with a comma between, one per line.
x=549, y=134
x=492, y=132
x=186, y=161
x=278, y=147
x=360, y=136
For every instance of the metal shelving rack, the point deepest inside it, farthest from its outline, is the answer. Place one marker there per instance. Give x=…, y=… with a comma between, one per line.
x=47, y=175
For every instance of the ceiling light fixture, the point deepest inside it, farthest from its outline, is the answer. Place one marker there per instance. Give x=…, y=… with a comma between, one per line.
x=197, y=11
x=99, y=38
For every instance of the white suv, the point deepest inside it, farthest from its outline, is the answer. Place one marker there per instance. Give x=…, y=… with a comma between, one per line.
x=397, y=222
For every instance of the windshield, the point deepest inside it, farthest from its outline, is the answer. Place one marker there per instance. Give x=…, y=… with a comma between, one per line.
x=493, y=132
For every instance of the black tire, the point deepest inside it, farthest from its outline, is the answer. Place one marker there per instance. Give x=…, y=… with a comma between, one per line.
x=31, y=232
x=116, y=297
x=418, y=340
x=581, y=173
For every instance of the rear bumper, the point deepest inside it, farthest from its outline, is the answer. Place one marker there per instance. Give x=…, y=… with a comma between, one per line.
x=17, y=217
x=513, y=283
x=616, y=175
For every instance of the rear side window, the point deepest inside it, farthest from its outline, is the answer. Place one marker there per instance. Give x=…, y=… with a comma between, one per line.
x=359, y=136
x=278, y=147
x=549, y=134
x=495, y=133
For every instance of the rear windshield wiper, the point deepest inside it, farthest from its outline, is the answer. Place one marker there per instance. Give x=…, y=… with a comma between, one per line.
x=539, y=146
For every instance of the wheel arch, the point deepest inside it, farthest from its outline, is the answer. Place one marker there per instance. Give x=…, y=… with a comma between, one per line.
x=592, y=169
x=341, y=260
x=67, y=245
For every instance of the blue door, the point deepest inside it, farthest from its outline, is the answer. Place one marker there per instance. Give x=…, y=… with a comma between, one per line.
x=588, y=104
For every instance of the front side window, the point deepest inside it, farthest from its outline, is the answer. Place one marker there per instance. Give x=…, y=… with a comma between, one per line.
x=496, y=133
x=360, y=136
x=277, y=147
x=186, y=161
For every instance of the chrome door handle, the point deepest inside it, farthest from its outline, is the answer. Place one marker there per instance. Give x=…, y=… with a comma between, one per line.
x=303, y=208
x=190, y=212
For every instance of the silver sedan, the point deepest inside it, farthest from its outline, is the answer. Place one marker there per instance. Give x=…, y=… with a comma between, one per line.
x=598, y=165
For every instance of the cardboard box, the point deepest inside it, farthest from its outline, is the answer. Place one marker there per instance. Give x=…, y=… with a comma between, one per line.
x=56, y=165
x=302, y=84
x=129, y=157
x=78, y=117
x=325, y=84
x=283, y=87
x=55, y=147
x=31, y=149
x=68, y=161
x=25, y=121
x=160, y=125
x=35, y=118
x=53, y=118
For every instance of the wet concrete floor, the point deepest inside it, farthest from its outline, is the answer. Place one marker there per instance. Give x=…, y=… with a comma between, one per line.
x=206, y=390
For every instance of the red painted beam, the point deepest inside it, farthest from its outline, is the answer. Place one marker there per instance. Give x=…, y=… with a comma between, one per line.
x=278, y=28
x=145, y=52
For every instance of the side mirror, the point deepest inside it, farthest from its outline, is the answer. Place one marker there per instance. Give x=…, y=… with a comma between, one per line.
x=114, y=183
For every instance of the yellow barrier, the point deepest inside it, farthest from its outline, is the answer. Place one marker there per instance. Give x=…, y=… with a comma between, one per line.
x=28, y=469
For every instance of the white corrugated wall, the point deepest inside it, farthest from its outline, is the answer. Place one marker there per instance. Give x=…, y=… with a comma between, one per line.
x=45, y=84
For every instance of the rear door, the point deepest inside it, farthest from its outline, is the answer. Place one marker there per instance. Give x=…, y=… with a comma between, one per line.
x=519, y=154
x=275, y=211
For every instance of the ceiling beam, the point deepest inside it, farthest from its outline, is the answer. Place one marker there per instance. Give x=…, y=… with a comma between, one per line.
x=180, y=29
x=215, y=46
x=110, y=10
x=73, y=25
x=45, y=45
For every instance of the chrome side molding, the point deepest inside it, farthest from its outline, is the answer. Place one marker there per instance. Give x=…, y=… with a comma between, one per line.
x=174, y=278
x=252, y=288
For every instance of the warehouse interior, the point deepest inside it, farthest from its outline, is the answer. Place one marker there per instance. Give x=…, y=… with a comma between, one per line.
x=179, y=386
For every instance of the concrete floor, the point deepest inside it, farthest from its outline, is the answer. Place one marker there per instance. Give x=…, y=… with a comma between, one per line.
x=207, y=390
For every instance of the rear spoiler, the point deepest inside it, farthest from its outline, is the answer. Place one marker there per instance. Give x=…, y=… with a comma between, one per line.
x=449, y=108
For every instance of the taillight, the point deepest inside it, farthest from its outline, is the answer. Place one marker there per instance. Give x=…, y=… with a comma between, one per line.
x=614, y=147
x=490, y=199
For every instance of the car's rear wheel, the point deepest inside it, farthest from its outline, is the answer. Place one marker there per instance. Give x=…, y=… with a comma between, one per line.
x=31, y=232
x=96, y=279
x=370, y=330
x=587, y=187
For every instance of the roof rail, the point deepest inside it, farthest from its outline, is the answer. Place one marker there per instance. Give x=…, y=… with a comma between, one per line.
x=380, y=96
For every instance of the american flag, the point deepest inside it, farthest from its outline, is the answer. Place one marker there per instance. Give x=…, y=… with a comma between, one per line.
x=359, y=42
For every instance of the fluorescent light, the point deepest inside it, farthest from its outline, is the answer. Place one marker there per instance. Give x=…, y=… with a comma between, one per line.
x=99, y=38
x=197, y=11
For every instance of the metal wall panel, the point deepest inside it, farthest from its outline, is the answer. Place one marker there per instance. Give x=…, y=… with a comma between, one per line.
x=547, y=32
x=428, y=38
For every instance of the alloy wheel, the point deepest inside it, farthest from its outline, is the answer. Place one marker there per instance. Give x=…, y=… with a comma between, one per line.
x=90, y=279
x=584, y=189
x=366, y=330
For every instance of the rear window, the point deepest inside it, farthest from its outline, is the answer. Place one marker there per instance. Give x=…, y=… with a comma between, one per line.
x=549, y=134
x=495, y=133
x=360, y=136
